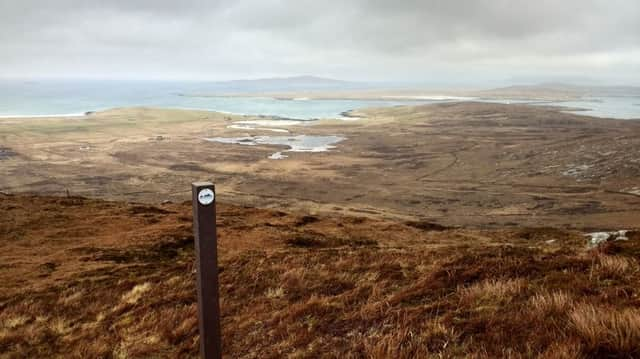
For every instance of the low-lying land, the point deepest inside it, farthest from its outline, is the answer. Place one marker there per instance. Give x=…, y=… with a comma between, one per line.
x=467, y=164
x=91, y=278
x=451, y=230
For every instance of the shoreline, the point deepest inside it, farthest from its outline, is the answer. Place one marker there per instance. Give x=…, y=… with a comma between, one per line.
x=346, y=115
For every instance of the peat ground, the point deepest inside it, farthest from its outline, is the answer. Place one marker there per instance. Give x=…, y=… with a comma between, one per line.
x=91, y=278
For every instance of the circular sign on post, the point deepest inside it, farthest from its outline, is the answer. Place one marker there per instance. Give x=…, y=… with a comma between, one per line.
x=206, y=196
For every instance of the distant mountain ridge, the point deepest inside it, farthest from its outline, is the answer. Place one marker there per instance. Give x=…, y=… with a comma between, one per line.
x=294, y=83
x=304, y=79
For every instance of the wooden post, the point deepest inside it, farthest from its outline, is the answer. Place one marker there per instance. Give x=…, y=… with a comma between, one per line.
x=204, y=230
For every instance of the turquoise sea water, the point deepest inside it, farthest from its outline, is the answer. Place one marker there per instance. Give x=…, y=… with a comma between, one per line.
x=620, y=107
x=616, y=107
x=22, y=98
x=42, y=98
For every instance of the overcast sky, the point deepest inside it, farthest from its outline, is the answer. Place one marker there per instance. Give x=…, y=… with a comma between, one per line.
x=431, y=41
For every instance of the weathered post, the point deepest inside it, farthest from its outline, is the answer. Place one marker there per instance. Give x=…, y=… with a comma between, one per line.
x=204, y=230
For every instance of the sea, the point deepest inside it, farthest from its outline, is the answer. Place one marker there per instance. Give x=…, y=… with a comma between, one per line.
x=20, y=98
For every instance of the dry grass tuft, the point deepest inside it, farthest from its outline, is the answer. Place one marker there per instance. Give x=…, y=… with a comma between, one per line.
x=402, y=344
x=607, y=331
x=568, y=350
x=274, y=293
x=493, y=290
x=14, y=322
x=555, y=303
x=59, y=326
x=405, y=343
x=615, y=266
x=120, y=352
x=136, y=293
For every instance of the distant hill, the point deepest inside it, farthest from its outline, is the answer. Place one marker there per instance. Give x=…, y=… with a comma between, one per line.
x=294, y=80
x=295, y=83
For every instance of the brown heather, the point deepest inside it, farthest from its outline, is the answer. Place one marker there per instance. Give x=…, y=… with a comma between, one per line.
x=92, y=279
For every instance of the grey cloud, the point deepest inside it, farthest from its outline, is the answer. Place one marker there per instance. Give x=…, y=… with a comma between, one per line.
x=360, y=39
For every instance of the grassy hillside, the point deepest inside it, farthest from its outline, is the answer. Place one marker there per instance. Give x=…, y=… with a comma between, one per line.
x=87, y=278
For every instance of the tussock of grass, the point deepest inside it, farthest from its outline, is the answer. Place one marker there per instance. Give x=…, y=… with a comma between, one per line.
x=554, y=303
x=275, y=293
x=402, y=344
x=497, y=290
x=59, y=326
x=615, y=266
x=430, y=339
x=136, y=293
x=14, y=322
x=608, y=331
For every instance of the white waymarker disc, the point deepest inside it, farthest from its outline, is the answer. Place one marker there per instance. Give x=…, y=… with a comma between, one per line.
x=206, y=196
